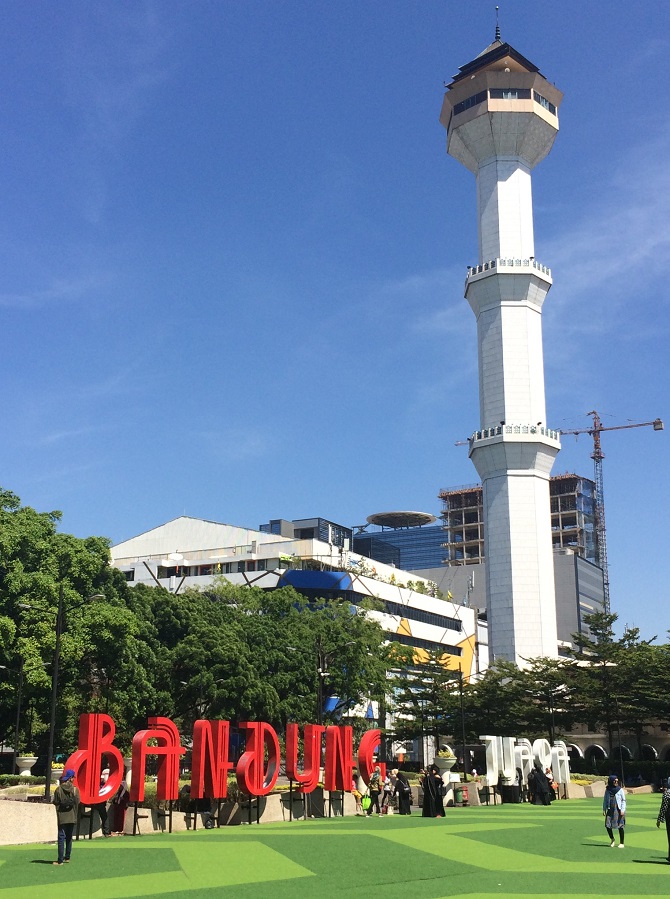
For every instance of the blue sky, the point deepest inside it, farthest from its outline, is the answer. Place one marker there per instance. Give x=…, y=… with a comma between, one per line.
x=232, y=255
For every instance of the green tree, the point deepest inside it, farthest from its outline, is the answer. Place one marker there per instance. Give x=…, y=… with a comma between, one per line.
x=100, y=652
x=425, y=699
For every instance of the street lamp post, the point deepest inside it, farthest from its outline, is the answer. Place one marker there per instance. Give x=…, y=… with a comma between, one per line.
x=552, y=725
x=18, y=715
x=54, y=694
x=323, y=659
x=19, y=690
x=466, y=765
x=54, y=678
x=618, y=730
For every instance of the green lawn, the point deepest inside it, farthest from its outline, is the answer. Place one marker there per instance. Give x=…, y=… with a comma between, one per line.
x=506, y=850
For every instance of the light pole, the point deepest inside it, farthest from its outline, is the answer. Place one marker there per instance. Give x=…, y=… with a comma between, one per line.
x=323, y=659
x=54, y=694
x=54, y=678
x=18, y=712
x=618, y=731
x=466, y=765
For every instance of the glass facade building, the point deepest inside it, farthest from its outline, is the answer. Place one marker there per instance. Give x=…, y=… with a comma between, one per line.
x=406, y=548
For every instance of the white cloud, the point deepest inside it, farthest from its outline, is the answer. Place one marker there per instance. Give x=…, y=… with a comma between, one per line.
x=619, y=246
x=61, y=290
x=233, y=444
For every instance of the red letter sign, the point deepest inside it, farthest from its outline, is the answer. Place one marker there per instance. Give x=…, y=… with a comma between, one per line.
x=168, y=751
x=312, y=742
x=339, y=762
x=96, y=733
x=210, y=760
x=252, y=775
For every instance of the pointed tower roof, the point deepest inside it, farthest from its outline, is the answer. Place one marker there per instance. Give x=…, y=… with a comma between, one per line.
x=496, y=55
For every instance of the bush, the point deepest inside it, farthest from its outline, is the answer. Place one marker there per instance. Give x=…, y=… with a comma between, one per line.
x=640, y=771
x=13, y=780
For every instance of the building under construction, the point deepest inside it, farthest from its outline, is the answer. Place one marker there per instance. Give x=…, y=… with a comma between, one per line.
x=573, y=525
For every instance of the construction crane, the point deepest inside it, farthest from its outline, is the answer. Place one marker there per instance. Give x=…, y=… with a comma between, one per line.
x=597, y=455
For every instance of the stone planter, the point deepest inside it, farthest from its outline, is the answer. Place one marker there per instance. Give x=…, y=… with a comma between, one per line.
x=443, y=765
x=24, y=763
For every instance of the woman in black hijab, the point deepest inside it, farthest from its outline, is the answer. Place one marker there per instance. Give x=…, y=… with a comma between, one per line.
x=404, y=793
x=433, y=799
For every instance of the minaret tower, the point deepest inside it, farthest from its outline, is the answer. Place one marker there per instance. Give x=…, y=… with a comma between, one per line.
x=501, y=119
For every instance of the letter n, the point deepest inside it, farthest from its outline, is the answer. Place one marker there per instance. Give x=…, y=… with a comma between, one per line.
x=309, y=777
x=339, y=762
x=210, y=760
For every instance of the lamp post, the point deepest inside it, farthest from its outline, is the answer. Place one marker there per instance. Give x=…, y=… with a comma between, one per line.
x=618, y=731
x=466, y=765
x=54, y=678
x=323, y=659
x=18, y=712
x=54, y=694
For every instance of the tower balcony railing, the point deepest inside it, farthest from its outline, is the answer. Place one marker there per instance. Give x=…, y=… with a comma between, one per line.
x=507, y=262
x=500, y=430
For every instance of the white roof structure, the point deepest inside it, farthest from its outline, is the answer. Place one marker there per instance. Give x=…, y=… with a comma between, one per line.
x=191, y=552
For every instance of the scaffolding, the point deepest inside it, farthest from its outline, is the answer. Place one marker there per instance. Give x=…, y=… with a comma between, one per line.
x=573, y=519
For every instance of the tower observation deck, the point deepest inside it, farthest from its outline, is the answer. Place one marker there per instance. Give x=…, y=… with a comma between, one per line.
x=501, y=117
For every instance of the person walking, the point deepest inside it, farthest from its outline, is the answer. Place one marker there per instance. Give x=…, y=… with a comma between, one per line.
x=101, y=807
x=542, y=794
x=356, y=793
x=403, y=792
x=119, y=804
x=66, y=800
x=433, y=794
x=664, y=811
x=614, y=810
x=375, y=788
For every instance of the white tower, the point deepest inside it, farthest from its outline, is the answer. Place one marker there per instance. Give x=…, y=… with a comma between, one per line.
x=501, y=119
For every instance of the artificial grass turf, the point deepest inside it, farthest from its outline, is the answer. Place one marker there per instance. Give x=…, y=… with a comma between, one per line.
x=517, y=850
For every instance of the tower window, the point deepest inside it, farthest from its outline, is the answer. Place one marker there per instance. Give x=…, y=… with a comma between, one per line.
x=509, y=93
x=544, y=102
x=474, y=100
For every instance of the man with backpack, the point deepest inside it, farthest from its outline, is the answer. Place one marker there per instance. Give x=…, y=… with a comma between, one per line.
x=66, y=800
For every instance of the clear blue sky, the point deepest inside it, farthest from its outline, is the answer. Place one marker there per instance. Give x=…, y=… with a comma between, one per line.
x=232, y=255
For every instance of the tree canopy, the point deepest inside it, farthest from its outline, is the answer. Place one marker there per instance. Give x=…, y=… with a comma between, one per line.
x=226, y=651
x=242, y=653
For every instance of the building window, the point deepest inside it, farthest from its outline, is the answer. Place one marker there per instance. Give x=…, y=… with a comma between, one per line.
x=420, y=643
x=130, y=574
x=474, y=100
x=509, y=93
x=544, y=102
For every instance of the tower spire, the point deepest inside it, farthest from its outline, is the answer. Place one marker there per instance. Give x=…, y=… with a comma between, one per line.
x=497, y=24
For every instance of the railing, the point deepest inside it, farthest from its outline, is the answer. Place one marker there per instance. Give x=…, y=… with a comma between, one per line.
x=508, y=262
x=499, y=430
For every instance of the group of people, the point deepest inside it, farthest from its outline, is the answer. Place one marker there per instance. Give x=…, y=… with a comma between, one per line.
x=394, y=789
x=67, y=800
x=381, y=796
x=541, y=788
x=434, y=791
